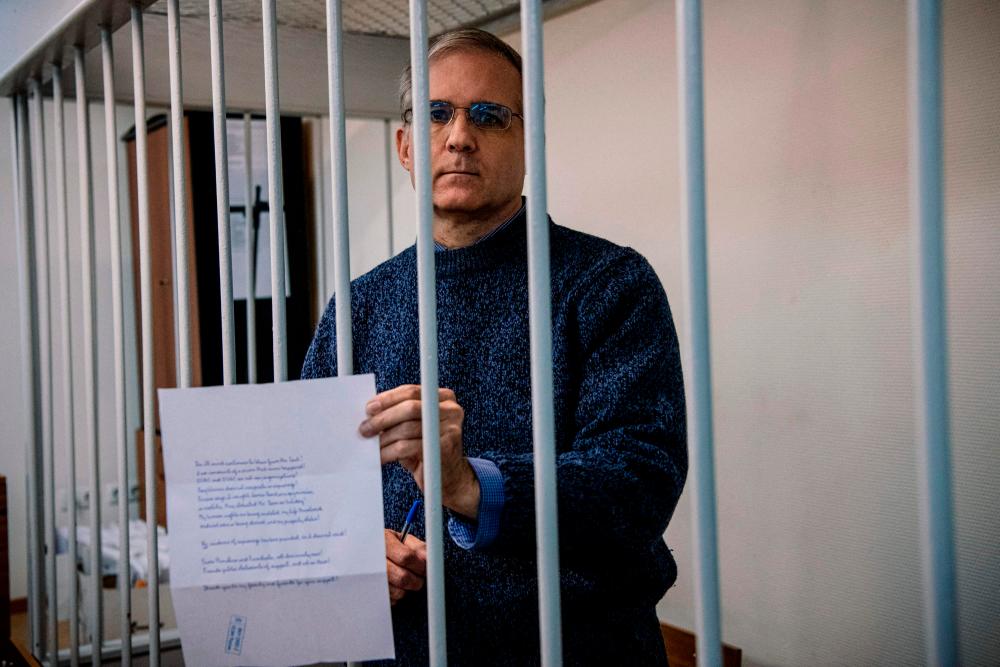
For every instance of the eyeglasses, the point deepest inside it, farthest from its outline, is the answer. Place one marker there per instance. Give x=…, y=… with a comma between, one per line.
x=484, y=115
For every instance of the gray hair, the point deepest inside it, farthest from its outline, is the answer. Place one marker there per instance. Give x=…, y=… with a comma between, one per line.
x=464, y=39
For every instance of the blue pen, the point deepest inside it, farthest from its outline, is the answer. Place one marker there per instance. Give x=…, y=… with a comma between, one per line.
x=409, y=520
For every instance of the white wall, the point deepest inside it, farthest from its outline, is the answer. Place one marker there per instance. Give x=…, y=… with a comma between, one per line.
x=368, y=204
x=809, y=254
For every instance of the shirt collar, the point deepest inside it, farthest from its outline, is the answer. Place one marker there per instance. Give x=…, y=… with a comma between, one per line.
x=493, y=232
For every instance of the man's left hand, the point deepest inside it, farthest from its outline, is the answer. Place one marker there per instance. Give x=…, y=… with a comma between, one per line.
x=395, y=416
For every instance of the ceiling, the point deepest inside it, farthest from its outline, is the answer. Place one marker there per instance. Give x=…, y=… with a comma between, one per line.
x=388, y=18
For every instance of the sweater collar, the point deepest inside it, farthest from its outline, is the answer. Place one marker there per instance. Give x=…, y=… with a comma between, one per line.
x=505, y=244
x=493, y=232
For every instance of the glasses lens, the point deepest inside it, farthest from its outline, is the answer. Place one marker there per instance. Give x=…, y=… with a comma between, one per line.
x=441, y=112
x=490, y=116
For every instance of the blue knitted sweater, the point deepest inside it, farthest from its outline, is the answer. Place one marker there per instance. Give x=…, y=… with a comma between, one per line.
x=620, y=438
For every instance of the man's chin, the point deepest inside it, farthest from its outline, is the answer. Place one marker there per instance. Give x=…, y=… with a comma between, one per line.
x=459, y=206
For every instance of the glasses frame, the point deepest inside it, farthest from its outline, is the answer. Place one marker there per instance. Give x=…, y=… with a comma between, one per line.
x=408, y=115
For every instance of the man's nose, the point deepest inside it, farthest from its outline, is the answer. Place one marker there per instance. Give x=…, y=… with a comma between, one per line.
x=461, y=133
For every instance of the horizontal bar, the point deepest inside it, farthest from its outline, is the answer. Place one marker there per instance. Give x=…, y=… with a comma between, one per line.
x=81, y=26
x=170, y=640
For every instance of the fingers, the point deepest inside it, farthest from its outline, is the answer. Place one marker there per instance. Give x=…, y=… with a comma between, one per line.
x=411, y=556
x=404, y=392
x=407, y=452
x=387, y=399
x=402, y=578
x=405, y=565
x=387, y=416
x=420, y=547
x=408, y=430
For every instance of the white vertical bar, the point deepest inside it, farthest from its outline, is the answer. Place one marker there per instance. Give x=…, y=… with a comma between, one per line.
x=275, y=187
x=317, y=140
x=40, y=198
x=699, y=394
x=66, y=336
x=427, y=286
x=338, y=187
x=52, y=573
x=321, y=277
x=118, y=324
x=248, y=215
x=86, y=205
x=930, y=334
x=146, y=308
x=540, y=295
x=182, y=244
x=31, y=380
x=222, y=192
x=389, y=150
x=28, y=306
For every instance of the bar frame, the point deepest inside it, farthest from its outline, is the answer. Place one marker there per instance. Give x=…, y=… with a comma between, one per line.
x=118, y=326
x=338, y=186
x=44, y=296
x=275, y=186
x=66, y=335
x=182, y=241
x=930, y=335
x=699, y=375
x=540, y=323
x=88, y=280
x=146, y=309
x=251, y=258
x=31, y=373
x=222, y=191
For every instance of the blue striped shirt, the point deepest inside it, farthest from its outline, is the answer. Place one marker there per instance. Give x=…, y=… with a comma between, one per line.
x=442, y=248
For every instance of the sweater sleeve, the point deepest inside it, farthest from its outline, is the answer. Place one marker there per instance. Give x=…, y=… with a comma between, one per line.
x=622, y=456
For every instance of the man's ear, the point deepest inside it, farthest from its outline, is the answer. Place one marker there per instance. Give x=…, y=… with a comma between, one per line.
x=403, y=146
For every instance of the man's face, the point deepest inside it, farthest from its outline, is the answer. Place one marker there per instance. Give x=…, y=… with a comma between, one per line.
x=475, y=172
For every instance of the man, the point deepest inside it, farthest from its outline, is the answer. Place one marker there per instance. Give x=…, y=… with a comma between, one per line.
x=619, y=404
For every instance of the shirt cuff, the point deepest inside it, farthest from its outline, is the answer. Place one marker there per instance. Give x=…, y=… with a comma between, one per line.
x=482, y=532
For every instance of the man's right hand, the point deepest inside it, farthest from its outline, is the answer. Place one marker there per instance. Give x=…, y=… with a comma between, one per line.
x=405, y=564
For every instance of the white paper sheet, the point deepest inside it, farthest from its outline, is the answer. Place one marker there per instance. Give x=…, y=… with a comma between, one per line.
x=274, y=507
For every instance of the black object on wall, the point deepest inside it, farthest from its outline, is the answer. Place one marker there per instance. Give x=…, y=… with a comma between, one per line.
x=299, y=253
